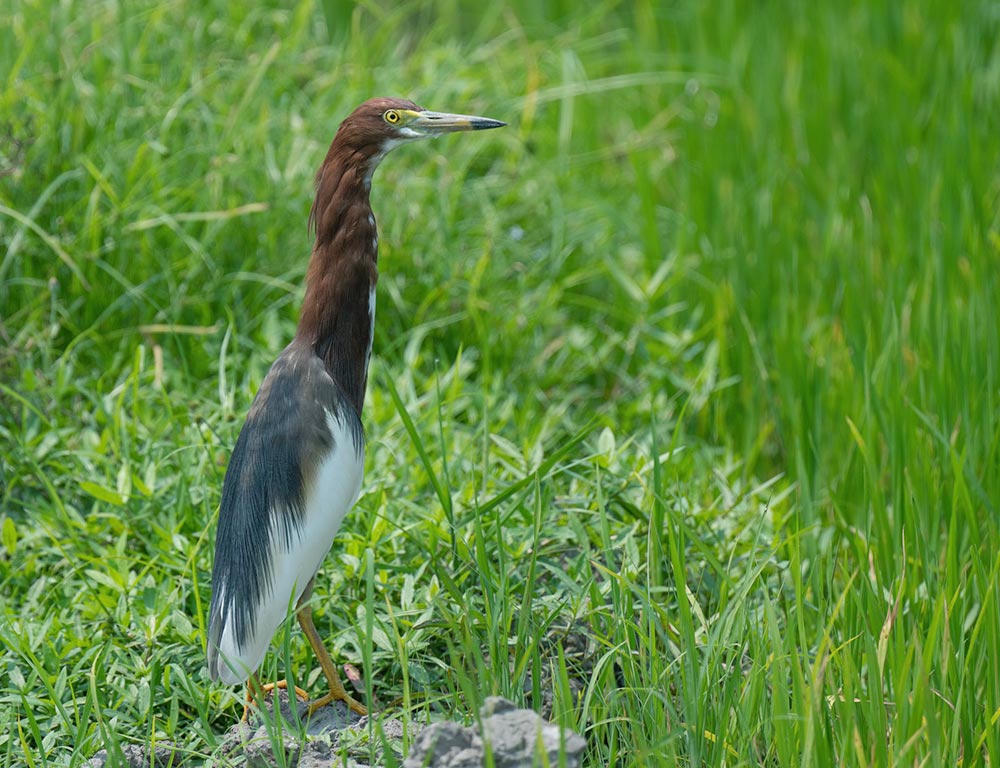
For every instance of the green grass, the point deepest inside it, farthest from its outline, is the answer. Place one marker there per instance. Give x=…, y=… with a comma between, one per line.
x=686, y=397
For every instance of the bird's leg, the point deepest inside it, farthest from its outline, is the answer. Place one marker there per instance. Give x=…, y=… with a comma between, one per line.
x=259, y=692
x=337, y=690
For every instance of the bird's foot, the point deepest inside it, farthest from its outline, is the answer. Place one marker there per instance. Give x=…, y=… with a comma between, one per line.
x=340, y=694
x=263, y=690
x=355, y=706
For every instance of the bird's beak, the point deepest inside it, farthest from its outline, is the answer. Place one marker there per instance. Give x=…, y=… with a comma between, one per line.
x=429, y=123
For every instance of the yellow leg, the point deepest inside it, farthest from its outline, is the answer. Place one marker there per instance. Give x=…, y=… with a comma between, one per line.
x=257, y=691
x=337, y=690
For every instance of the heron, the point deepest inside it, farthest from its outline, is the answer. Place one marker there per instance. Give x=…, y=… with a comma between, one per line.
x=296, y=468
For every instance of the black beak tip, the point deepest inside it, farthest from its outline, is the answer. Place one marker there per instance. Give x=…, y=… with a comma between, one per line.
x=484, y=123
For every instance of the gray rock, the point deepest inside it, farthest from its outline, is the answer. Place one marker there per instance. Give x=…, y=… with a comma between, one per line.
x=517, y=738
x=323, y=736
x=135, y=756
x=306, y=742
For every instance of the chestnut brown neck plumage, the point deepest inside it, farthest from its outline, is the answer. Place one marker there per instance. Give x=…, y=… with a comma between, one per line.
x=336, y=315
x=336, y=319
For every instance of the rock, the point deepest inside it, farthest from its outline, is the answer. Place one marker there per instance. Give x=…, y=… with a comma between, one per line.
x=515, y=737
x=135, y=756
x=255, y=744
x=317, y=744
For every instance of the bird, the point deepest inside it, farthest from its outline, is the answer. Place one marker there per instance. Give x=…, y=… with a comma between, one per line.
x=296, y=468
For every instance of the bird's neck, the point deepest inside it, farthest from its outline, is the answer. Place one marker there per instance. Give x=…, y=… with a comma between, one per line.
x=338, y=313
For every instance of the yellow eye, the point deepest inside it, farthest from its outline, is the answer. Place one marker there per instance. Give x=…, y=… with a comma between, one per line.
x=391, y=117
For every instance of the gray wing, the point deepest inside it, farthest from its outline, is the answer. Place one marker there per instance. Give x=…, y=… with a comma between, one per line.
x=264, y=494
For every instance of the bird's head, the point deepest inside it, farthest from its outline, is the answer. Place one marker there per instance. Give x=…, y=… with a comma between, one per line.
x=366, y=136
x=380, y=125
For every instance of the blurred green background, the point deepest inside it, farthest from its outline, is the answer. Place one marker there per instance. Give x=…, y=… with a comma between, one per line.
x=700, y=354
